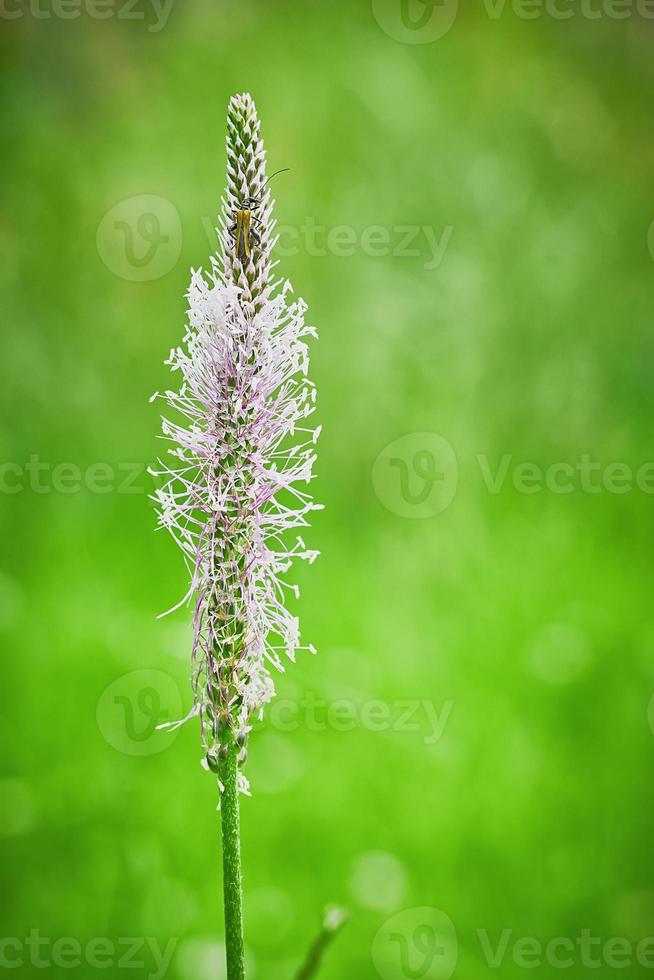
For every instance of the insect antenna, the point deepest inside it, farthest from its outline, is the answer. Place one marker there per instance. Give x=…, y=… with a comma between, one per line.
x=284, y=170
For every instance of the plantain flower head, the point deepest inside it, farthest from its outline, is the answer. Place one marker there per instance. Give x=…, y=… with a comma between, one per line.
x=234, y=482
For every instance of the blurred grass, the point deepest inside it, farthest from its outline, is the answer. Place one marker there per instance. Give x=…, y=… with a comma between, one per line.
x=531, y=613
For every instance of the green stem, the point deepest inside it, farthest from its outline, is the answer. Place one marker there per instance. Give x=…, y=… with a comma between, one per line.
x=315, y=956
x=231, y=830
x=333, y=920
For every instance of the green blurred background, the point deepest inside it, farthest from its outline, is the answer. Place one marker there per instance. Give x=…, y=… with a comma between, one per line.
x=522, y=620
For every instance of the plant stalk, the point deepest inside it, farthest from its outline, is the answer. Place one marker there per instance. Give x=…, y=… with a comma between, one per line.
x=334, y=919
x=232, y=884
